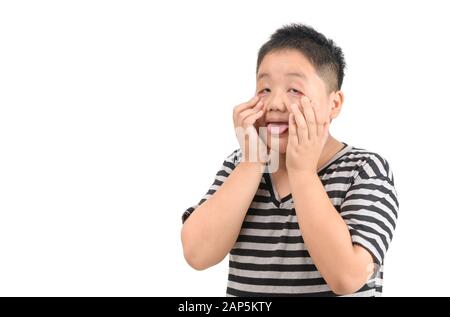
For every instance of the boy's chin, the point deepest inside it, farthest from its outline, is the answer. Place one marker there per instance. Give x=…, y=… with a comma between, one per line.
x=281, y=148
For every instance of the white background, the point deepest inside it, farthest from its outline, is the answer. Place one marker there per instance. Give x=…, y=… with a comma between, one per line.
x=116, y=115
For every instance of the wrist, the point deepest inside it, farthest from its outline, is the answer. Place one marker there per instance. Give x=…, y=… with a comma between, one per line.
x=295, y=175
x=254, y=165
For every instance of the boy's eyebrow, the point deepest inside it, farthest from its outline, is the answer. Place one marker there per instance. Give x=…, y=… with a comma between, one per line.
x=297, y=74
x=262, y=75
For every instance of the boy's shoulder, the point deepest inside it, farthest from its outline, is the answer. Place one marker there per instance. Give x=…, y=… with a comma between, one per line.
x=369, y=163
x=235, y=157
x=365, y=162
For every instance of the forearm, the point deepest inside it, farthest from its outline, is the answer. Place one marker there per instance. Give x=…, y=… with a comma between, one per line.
x=326, y=235
x=210, y=232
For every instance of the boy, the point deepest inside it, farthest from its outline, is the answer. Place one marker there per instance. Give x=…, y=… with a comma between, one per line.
x=320, y=222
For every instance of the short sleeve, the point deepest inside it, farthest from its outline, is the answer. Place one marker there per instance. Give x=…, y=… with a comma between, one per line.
x=225, y=170
x=370, y=207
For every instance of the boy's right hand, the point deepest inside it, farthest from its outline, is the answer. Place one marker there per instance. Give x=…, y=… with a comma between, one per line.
x=244, y=118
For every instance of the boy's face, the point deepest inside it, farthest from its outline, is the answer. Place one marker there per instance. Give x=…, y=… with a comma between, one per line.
x=283, y=78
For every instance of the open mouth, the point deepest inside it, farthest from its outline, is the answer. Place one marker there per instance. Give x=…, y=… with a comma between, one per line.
x=277, y=128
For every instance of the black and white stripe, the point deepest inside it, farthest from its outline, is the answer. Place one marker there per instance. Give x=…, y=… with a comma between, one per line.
x=270, y=258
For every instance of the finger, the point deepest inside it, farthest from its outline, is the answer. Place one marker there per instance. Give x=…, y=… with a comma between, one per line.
x=310, y=117
x=244, y=114
x=251, y=119
x=246, y=105
x=319, y=115
x=252, y=135
x=302, y=129
x=293, y=139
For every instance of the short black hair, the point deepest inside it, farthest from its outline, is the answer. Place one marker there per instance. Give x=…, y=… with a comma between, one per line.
x=326, y=57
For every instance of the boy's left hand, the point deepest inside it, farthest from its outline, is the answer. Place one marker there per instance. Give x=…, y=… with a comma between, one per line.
x=308, y=133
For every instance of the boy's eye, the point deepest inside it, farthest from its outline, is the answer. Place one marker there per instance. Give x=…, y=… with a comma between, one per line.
x=264, y=91
x=295, y=91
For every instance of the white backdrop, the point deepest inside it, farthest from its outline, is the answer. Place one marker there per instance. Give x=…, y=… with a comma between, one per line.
x=116, y=115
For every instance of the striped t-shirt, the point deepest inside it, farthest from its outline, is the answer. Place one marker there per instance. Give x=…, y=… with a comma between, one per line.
x=270, y=258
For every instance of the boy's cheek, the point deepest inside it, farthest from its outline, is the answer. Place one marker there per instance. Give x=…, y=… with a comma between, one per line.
x=321, y=111
x=295, y=99
x=265, y=100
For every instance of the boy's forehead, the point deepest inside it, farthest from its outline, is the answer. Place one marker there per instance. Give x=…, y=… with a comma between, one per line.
x=287, y=63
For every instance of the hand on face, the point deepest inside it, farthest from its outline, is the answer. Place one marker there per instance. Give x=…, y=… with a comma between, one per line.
x=244, y=118
x=308, y=133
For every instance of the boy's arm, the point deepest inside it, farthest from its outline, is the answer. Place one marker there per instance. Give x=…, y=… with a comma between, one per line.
x=345, y=267
x=211, y=231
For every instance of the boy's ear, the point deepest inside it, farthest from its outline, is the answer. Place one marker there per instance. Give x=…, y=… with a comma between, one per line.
x=337, y=99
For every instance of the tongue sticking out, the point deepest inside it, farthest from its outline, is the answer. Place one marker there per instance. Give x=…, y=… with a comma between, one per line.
x=277, y=128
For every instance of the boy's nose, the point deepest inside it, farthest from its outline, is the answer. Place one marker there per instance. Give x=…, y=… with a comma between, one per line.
x=277, y=105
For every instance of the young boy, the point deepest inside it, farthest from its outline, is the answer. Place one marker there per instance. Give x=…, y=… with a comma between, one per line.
x=320, y=222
